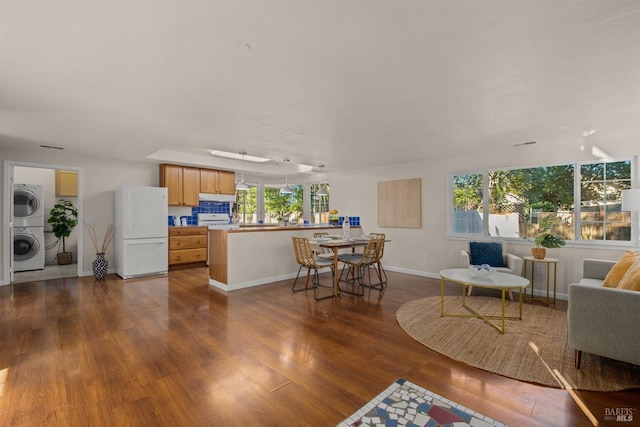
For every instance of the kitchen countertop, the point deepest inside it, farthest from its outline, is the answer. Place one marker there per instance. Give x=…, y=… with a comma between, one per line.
x=259, y=228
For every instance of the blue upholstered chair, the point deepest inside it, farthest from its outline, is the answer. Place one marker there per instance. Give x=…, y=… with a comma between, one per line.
x=494, y=253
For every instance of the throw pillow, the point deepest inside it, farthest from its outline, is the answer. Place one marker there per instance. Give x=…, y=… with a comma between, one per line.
x=486, y=253
x=619, y=269
x=631, y=279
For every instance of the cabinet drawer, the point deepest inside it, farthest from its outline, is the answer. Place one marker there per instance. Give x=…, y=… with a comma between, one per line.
x=187, y=231
x=187, y=256
x=187, y=242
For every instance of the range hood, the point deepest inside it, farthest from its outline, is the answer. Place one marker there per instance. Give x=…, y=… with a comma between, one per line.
x=216, y=197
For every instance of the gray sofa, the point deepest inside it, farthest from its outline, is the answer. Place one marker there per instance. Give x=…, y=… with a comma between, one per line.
x=603, y=321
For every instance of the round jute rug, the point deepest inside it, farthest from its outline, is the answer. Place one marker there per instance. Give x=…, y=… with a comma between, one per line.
x=471, y=341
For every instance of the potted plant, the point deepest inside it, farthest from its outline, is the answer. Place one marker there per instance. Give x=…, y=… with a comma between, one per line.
x=544, y=239
x=63, y=217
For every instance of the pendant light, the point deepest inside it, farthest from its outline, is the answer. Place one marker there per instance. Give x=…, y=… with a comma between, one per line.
x=322, y=192
x=285, y=189
x=242, y=186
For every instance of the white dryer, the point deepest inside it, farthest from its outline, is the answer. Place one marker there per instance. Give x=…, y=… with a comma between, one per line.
x=28, y=248
x=28, y=205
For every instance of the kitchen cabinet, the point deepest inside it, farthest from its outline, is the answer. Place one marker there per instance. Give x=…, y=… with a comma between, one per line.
x=187, y=245
x=183, y=184
x=66, y=183
x=217, y=182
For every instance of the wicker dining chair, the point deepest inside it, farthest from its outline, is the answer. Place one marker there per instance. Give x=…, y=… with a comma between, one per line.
x=307, y=259
x=320, y=251
x=358, y=266
x=381, y=271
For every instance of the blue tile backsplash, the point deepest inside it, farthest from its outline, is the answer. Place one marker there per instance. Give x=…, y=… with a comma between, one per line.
x=205, y=207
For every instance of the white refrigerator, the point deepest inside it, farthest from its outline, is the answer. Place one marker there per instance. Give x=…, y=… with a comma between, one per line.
x=141, y=231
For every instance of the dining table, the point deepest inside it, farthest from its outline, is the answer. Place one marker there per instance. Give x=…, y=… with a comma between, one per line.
x=336, y=245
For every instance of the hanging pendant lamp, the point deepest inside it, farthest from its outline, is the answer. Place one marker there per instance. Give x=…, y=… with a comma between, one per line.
x=285, y=189
x=322, y=192
x=242, y=186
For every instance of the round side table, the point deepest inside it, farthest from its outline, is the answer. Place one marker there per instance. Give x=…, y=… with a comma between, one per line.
x=548, y=262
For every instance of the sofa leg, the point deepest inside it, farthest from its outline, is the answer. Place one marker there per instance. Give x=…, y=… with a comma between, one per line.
x=578, y=358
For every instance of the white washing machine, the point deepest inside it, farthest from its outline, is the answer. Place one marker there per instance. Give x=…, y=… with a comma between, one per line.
x=28, y=205
x=28, y=248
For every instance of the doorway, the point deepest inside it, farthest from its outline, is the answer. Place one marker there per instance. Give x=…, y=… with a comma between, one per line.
x=40, y=175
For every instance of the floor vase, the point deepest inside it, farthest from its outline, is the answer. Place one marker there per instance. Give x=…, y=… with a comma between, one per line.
x=100, y=266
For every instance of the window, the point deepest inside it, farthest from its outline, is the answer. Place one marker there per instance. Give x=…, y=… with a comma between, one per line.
x=516, y=200
x=246, y=206
x=467, y=203
x=283, y=207
x=319, y=204
x=601, y=185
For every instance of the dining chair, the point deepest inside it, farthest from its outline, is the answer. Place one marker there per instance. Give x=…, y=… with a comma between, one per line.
x=307, y=259
x=381, y=271
x=360, y=263
x=320, y=251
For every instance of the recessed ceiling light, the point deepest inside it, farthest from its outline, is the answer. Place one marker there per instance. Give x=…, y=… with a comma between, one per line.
x=238, y=156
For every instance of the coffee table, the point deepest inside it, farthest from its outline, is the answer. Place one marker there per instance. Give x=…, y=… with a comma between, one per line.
x=502, y=281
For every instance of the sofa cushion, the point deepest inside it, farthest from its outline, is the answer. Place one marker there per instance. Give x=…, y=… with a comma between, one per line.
x=631, y=279
x=486, y=253
x=619, y=269
x=591, y=282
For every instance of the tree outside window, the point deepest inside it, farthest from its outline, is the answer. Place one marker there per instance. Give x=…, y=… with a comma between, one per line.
x=283, y=207
x=319, y=204
x=518, y=199
x=246, y=206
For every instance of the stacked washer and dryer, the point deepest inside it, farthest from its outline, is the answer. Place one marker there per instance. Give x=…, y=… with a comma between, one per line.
x=28, y=227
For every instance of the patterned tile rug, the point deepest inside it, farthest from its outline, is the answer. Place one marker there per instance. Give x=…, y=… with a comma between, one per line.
x=404, y=404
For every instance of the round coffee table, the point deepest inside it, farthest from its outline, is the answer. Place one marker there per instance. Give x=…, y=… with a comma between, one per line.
x=501, y=281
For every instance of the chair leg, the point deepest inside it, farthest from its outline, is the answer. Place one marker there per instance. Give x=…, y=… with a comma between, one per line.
x=317, y=286
x=578, y=358
x=350, y=268
x=293, y=288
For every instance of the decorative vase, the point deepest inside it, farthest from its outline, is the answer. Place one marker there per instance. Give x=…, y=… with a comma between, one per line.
x=538, y=253
x=100, y=266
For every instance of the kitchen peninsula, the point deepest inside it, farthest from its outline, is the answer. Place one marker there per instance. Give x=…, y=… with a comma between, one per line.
x=252, y=256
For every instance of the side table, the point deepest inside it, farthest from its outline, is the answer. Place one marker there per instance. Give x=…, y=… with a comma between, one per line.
x=548, y=262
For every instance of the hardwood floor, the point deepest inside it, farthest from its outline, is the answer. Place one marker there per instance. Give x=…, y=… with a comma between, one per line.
x=171, y=350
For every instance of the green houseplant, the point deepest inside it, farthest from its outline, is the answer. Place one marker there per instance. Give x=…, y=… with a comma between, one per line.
x=63, y=218
x=544, y=240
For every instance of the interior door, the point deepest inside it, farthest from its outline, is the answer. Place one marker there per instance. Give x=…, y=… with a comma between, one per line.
x=11, y=231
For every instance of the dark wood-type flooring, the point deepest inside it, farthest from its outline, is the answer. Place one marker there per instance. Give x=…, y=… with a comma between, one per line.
x=171, y=351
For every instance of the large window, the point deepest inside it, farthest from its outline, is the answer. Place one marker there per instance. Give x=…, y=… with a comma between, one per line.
x=283, y=207
x=319, y=203
x=246, y=206
x=585, y=200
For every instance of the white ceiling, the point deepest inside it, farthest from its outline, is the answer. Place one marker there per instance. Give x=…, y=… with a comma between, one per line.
x=319, y=82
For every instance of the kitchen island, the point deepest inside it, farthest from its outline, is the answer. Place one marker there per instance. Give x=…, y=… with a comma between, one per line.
x=253, y=256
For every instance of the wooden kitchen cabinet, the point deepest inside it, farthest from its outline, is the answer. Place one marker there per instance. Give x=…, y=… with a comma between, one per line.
x=66, y=183
x=187, y=245
x=217, y=182
x=183, y=184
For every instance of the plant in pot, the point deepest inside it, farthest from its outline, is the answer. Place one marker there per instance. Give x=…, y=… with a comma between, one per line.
x=545, y=240
x=63, y=218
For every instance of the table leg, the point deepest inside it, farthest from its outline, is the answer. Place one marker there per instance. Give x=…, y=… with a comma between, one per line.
x=442, y=296
x=503, y=309
x=336, y=277
x=548, y=280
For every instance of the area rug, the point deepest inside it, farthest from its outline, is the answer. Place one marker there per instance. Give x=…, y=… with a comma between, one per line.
x=533, y=349
x=406, y=404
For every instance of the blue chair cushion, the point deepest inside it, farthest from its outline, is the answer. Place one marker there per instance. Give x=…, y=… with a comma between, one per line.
x=486, y=253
